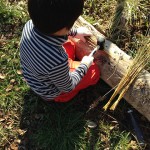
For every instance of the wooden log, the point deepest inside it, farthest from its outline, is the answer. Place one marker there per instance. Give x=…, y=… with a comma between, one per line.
x=115, y=67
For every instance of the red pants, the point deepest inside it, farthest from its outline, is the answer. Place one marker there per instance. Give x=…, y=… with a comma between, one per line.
x=92, y=76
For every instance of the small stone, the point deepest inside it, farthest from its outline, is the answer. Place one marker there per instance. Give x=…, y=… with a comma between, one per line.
x=91, y=124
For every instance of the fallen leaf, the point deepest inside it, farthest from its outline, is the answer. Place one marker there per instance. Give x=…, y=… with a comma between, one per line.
x=114, y=121
x=17, y=141
x=17, y=89
x=103, y=137
x=133, y=145
x=23, y=79
x=2, y=76
x=2, y=119
x=19, y=72
x=3, y=55
x=112, y=127
x=21, y=132
x=10, y=123
x=14, y=146
x=9, y=88
x=12, y=81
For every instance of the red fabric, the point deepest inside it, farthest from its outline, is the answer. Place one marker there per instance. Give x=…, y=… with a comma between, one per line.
x=70, y=49
x=92, y=76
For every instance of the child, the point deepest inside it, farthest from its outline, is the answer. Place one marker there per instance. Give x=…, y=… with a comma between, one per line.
x=47, y=56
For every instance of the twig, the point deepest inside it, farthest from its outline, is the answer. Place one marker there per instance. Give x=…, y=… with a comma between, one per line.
x=99, y=99
x=115, y=67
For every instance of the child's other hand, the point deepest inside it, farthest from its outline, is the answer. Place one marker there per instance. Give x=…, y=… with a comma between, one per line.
x=87, y=60
x=82, y=32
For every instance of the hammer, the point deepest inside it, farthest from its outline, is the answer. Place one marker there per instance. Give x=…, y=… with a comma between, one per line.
x=100, y=45
x=137, y=130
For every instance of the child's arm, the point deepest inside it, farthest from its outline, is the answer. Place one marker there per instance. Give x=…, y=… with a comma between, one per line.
x=65, y=80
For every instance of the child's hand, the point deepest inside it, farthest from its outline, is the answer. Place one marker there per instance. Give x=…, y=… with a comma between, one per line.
x=82, y=32
x=87, y=60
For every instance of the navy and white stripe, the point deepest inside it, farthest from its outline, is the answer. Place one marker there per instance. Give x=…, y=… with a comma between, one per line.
x=45, y=63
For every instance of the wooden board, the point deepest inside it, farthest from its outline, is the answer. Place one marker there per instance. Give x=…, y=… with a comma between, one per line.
x=114, y=68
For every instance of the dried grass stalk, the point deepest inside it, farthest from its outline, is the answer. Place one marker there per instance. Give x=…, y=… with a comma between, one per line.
x=140, y=61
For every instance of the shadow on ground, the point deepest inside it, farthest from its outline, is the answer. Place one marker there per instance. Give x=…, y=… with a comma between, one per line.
x=56, y=125
x=63, y=126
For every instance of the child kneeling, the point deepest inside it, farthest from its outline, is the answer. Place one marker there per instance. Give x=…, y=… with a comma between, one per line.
x=48, y=57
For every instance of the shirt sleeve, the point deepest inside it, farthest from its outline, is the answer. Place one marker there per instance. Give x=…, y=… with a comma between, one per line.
x=65, y=80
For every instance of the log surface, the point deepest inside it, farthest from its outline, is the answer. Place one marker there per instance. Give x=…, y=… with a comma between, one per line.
x=115, y=67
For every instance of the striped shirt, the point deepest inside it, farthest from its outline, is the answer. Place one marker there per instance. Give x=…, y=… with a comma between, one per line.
x=44, y=63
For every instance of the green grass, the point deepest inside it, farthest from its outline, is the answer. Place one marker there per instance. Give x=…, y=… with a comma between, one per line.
x=64, y=127
x=123, y=21
x=28, y=123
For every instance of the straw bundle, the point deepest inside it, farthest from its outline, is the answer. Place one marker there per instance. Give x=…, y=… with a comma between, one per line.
x=140, y=61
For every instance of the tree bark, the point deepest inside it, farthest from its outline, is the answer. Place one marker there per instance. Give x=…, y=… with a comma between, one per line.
x=114, y=67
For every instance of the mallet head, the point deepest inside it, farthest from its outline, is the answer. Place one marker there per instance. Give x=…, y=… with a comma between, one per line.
x=100, y=45
x=101, y=42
